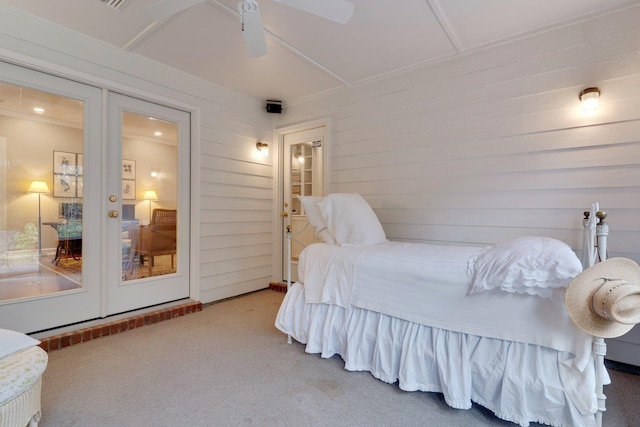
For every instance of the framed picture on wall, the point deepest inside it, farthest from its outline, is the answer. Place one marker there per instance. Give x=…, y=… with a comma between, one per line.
x=64, y=163
x=128, y=169
x=64, y=185
x=128, y=189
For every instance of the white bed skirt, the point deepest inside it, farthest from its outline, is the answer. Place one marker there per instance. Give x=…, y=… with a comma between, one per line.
x=519, y=382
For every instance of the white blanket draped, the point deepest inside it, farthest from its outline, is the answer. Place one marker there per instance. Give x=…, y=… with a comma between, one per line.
x=428, y=284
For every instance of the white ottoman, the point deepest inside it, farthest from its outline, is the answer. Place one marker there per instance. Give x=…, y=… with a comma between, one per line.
x=20, y=386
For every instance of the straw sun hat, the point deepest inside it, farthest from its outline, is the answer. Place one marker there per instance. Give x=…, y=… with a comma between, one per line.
x=604, y=300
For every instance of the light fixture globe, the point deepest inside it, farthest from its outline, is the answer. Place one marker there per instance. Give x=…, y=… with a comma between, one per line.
x=590, y=97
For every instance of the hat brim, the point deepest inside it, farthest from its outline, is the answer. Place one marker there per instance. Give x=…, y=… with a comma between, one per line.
x=579, y=297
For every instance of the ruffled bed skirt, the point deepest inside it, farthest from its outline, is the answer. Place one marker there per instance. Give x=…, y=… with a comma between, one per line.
x=519, y=382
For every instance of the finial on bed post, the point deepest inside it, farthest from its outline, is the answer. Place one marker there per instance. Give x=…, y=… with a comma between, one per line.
x=602, y=231
x=588, y=241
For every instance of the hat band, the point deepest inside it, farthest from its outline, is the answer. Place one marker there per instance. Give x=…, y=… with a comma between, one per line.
x=617, y=300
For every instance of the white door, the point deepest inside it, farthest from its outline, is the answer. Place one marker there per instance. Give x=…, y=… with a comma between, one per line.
x=147, y=208
x=79, y=239
x=50, y=150
x=303, y=176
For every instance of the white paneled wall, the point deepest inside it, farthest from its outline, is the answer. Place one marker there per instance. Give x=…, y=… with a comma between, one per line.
x=234, y=188
x=493, y=144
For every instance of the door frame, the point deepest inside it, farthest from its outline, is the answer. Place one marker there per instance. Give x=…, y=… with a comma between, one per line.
x=277, y=273
x=57, y=70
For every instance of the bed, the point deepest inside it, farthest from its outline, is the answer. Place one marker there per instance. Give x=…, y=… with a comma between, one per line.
x=484, y=324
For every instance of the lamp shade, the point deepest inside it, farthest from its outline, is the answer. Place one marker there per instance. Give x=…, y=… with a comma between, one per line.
x=38, y=187
x=150, y=195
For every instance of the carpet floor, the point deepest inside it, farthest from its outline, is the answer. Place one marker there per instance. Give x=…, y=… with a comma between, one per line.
x=228, y=366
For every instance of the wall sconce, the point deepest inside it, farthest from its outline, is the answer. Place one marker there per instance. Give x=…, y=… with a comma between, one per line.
x=590, y=97
x=263, y=148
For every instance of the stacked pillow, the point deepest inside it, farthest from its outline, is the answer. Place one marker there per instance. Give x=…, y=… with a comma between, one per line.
x=344, y=219
x=527, y=265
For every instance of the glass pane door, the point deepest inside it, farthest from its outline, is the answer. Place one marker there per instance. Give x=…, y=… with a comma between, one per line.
x=148, y=204
x=44, y=139
x=303, y=174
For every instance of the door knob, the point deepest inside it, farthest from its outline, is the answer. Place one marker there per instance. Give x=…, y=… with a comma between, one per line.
x=285, y=214
x=113, y=214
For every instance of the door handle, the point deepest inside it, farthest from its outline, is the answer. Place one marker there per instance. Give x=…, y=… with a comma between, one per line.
x=285, y=214
x=113, y=214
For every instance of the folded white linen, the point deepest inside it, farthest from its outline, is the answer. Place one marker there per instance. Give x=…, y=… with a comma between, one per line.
x=327, y=272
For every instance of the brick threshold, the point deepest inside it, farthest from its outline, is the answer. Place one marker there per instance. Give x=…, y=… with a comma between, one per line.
x=278, y=287
x=67, y=339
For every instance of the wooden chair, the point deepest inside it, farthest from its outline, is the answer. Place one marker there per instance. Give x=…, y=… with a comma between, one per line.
x=158, y=238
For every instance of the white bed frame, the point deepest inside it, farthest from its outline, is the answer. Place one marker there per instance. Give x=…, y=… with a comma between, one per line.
x=595, y=250
x=596, y=231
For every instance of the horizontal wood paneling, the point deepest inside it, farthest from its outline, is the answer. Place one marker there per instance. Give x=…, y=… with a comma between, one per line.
x=493, y=144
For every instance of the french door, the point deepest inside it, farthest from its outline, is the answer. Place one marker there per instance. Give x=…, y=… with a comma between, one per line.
x=81, y=173
x=149, y=256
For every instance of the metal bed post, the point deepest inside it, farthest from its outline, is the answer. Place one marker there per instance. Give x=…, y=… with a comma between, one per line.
x=599, y=346
x=289, y=236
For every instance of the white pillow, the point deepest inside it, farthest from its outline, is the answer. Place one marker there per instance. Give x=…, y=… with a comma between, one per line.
x=12, y=341
x=351, y=220
x=527, y=265
x=312, y=211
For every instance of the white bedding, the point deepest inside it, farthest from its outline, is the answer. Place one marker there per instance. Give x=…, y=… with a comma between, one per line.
x=402, y=311
x=519, y=382
x=428, y=284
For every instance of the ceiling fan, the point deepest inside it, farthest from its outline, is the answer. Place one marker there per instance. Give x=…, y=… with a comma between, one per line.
x=339, y=11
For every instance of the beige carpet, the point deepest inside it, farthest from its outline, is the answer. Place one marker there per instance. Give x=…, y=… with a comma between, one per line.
x=229, y=366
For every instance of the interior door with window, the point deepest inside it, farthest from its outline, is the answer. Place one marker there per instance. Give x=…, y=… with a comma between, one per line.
x=303, y=176
x=147, y=205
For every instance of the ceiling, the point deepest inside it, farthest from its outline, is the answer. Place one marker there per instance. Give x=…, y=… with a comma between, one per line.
x=308, y=55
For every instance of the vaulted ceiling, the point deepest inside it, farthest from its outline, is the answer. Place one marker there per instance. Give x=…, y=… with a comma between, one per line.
x=308, y=55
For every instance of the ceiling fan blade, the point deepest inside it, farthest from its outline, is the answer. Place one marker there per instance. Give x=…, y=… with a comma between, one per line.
x=164, y=9
x=252, y=28
x=339, y=11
